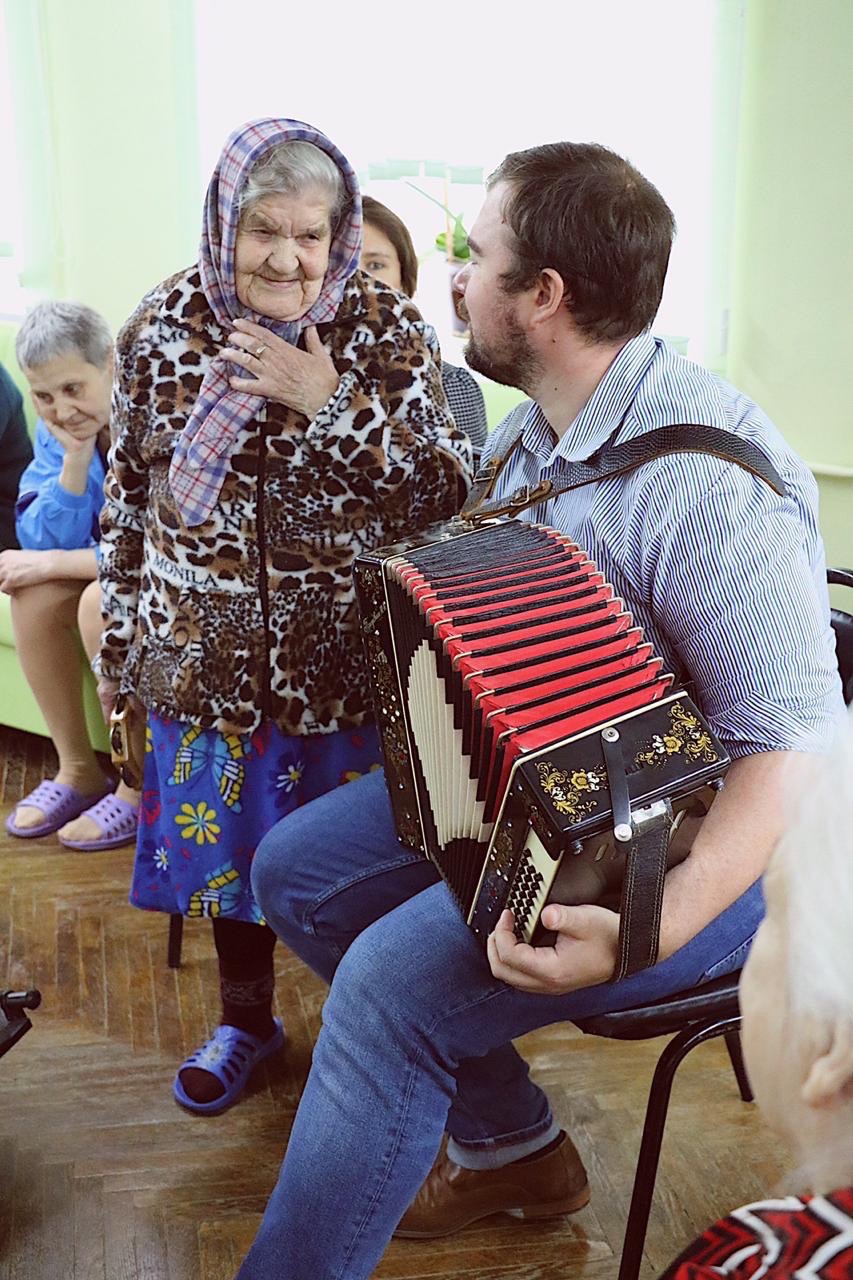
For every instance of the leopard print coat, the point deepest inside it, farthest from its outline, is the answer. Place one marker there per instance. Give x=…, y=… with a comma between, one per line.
x=252, y=615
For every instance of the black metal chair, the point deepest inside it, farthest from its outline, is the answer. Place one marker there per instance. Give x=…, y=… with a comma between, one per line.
x=14, y=1022
x=700, y=1014
x=843, y=624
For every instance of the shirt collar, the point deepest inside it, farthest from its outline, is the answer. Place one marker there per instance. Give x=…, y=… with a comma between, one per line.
x=603, y=412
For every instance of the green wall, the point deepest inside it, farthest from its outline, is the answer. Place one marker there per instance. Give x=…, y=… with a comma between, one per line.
x=791, y=336
x=104, y=95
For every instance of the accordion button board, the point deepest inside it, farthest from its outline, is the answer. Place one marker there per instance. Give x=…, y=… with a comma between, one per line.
x=497, y=656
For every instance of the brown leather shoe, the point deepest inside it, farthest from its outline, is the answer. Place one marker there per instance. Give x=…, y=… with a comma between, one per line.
x=452, y=1196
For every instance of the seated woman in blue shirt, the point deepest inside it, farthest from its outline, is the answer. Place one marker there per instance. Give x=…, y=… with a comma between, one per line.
x=66, y=352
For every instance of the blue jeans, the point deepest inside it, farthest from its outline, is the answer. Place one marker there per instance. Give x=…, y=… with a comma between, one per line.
x=416, y=1032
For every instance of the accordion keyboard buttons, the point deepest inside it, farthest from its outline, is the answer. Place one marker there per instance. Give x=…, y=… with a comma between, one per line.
x=532, y=885
x=524, y=897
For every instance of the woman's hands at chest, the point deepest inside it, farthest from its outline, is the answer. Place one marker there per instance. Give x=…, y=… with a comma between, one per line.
x=302, y=380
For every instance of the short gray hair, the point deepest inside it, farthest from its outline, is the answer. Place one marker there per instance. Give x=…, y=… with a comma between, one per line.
x=54, y=329
x=289, y=169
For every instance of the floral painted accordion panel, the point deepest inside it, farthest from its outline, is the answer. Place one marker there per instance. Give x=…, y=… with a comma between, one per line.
x=527, y=726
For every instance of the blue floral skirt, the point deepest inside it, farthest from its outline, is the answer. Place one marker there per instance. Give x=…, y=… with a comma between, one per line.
x=208, y=798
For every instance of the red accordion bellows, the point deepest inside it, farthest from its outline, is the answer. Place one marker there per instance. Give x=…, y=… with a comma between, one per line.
x=530, y=752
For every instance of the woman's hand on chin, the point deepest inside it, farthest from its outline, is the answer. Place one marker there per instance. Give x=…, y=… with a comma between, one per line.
x=78, y=442
x=302, y=380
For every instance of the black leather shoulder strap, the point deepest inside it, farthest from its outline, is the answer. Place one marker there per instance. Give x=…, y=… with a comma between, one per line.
x=679, y=438
x=618, y=459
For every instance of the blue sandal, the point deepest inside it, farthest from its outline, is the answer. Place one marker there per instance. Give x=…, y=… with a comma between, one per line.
x=231, y=1055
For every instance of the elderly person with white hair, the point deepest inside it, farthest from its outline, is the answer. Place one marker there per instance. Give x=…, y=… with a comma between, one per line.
x=66, y=352
x=277, y=412
x=796, y=1000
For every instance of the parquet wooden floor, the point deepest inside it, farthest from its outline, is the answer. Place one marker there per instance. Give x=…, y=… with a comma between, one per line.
x=102, y=1177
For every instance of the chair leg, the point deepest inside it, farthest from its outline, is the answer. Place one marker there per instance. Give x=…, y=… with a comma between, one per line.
x=738, y=1065
x=176, y=936
x=647, y=1162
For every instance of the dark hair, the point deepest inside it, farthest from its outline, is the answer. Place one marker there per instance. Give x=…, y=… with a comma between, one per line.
x=588, y=214
x=379, y=215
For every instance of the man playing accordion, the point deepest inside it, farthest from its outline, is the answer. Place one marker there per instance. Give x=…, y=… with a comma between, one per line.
x=726, y=578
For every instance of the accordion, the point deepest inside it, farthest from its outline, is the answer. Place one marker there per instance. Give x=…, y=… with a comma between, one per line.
x=535, y=750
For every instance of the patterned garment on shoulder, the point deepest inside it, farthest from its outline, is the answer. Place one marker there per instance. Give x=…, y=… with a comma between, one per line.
x=786, y=1239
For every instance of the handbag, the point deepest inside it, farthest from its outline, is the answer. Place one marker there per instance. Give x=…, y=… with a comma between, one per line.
x=122, y=747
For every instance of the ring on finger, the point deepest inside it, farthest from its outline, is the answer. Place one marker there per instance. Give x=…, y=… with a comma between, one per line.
x=259, y=351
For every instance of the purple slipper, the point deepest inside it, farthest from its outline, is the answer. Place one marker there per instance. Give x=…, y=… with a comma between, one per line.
x=58, y=802
x=117, y=819
x=231, y=1055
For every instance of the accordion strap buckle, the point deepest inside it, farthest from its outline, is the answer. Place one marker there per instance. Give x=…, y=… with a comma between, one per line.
x=526, y=496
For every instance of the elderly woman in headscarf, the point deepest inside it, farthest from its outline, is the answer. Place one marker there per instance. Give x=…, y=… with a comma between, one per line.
x=276, y=412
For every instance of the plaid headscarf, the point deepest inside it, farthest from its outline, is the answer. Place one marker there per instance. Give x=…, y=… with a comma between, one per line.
x=201, y=456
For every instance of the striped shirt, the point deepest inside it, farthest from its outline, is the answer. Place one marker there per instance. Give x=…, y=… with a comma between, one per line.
x=727, y=579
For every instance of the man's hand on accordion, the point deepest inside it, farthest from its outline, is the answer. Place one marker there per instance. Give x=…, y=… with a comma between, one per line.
x=585, y=952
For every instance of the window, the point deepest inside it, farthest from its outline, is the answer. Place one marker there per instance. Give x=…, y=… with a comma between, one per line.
x=465, y=84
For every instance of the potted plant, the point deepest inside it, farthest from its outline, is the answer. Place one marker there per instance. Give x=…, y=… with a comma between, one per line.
x=456, y=237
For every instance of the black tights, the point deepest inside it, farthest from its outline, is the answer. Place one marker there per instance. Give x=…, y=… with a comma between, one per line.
x=246, y=978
